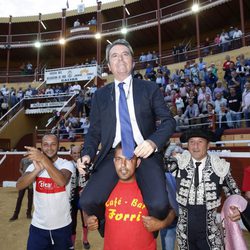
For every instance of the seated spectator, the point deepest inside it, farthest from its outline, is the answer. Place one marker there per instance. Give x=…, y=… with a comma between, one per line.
x=62, y=129
x=28, y=92
x=234, y=105
x=231, y=33
x=219, y=89
x=20, y=94
x=208, y=116
x=76, y=23
x=29, y=68
x=85, y=126
x=92, y=21
x=76, y=88
x=155, y=58
x=13, y=100
x=71, y=132
x=93, y=61
x=73, y=121
x=192, y=112
x=234, y=82
x=227, y=67
x=219, y=99
x=242, y=70
x=159, y=78
x=224, y=41
x=208, y=90
x=57, y=90
x=237, y=38
x=203, y=102
x=214, y=69
x=217, y=42
x=149, y=58
x=194, y=73
x=210, y=79
x=181, y=122
x=143, y=59
x=49, y=90
x=178, y=101
x=223, y=120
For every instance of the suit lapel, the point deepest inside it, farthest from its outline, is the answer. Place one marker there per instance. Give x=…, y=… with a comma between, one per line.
x=111, y=107
x=137, y=95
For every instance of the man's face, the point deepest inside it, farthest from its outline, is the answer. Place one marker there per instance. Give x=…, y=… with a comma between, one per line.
x=75, y=153
x=50, y=146
x=125, y=168
x=198, y=147
x=120, y=62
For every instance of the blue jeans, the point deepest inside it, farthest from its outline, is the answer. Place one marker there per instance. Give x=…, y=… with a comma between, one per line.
x=168, y=236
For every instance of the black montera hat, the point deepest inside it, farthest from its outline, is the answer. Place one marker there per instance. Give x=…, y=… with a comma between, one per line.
x=206, y=134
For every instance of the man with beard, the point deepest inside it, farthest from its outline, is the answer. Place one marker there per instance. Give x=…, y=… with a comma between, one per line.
x=126, y=212
x=51, y=223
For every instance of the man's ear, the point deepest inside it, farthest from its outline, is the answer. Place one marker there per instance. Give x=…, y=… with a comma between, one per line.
x=133, y=65
x=109, y=67
x=138, y=162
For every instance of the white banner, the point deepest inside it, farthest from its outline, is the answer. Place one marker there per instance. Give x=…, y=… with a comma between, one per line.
x=70, y=74
x=47, y=104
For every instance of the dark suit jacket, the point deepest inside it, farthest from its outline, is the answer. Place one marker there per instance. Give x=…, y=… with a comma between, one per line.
x=149, y=106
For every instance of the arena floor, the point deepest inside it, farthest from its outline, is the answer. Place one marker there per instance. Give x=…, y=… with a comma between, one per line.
x=13, y=235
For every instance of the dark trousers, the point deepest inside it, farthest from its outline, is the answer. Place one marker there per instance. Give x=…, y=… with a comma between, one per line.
x=197, y=237
x=57, y=239
x=74, y=210
x=150, y=178
x=20, y=199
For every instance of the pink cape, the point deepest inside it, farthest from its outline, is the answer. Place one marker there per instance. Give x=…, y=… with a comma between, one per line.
x=233, y=239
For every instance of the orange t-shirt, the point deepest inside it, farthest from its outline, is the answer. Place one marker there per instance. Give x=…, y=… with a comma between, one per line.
x=124, y=229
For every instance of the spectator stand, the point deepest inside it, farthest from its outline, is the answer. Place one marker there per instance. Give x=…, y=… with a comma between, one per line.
x=14, y=111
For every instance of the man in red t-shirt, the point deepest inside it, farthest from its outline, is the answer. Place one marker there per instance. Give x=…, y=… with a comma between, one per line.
x=127, y=224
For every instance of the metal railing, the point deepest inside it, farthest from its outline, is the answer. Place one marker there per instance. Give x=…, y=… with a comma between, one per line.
x=141, y=21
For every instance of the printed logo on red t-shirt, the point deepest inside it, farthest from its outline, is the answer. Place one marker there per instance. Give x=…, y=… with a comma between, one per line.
x=47, y=185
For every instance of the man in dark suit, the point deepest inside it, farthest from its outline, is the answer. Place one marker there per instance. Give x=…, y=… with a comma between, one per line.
x=145, y=105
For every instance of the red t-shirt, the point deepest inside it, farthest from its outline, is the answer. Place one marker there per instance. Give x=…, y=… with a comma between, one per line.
x=124, y=229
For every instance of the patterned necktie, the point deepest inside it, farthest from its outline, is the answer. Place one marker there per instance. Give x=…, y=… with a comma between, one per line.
x=196, y=176
x=127, y=137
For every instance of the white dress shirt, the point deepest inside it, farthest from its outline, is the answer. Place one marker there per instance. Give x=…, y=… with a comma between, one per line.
x=128, y=88
x=201, y=167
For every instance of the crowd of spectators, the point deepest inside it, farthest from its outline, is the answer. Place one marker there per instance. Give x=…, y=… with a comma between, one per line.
x=197, y=96
x=69, y=128
x=10, y=97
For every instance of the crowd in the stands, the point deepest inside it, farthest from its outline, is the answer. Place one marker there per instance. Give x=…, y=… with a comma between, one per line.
x=196, y=94
x=72, y=127
x=10, y=97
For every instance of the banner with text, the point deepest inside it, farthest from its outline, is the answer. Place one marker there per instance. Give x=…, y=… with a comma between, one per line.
x=70, y=74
